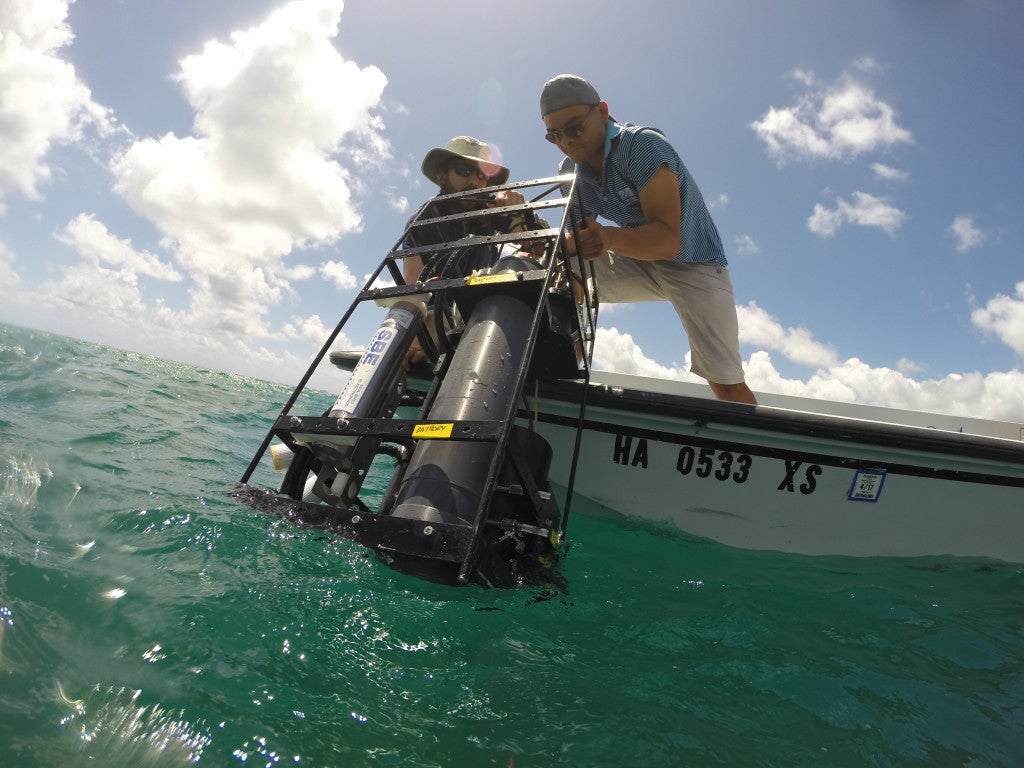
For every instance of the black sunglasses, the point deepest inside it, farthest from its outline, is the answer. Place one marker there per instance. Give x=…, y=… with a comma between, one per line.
x=573, y=130
x=465, y=170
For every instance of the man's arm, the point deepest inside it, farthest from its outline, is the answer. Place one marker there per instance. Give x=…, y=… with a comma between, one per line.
x=411, y=268
x=656, y=240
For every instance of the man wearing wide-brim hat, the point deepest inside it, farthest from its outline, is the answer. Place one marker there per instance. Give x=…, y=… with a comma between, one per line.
x=473, y=151
x=464, y=163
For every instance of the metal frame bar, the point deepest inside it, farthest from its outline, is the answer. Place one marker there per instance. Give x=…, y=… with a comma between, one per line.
x=533, y=287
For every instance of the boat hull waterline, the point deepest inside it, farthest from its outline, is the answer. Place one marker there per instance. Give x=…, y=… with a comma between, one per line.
x=769, y=478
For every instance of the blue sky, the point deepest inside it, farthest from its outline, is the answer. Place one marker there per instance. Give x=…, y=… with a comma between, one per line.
x=212, y=181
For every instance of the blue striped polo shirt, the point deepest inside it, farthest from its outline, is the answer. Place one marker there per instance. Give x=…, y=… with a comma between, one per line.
x=632, y=155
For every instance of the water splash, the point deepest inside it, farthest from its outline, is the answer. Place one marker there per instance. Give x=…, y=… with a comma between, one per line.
x=74, y=496
x=20, y=482
x=112, y=728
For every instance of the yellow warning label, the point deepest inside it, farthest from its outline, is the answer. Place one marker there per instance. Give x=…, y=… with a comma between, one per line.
x=432, y=431
x=504, y=277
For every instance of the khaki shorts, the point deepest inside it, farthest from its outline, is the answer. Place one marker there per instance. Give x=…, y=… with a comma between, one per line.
x=702, y=296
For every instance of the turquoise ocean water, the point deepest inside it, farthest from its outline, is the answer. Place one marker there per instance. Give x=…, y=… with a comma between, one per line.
x=147, y=619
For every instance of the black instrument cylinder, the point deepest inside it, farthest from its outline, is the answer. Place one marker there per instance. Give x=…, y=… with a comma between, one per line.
x=445, y=478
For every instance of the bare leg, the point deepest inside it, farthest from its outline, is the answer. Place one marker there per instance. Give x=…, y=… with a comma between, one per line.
x=737, y=393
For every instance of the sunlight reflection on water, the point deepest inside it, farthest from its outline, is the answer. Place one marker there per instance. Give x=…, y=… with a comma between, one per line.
x=114, y=729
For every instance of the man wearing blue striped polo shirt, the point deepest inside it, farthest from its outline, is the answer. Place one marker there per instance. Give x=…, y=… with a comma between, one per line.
x=666, y=246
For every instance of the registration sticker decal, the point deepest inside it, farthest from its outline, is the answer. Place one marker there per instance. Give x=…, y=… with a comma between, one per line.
x=867, y=485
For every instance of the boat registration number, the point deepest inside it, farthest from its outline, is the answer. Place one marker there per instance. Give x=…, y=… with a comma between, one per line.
x=722, y=465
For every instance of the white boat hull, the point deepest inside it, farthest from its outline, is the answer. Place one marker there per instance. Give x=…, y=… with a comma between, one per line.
x=791, y=480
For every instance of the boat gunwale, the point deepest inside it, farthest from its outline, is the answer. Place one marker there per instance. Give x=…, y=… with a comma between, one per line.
x=804, y=423
x=784, y=420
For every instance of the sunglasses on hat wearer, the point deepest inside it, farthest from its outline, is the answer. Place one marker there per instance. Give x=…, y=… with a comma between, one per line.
x=465, y=170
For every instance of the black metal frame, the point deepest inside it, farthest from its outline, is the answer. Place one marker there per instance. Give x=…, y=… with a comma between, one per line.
x=555, y=282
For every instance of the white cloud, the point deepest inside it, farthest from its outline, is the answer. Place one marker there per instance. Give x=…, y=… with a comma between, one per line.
x=276, y=107
x=298, y=272
x=8, y=275
x=111, y=296
x=383, y=280
x=838, y=122
x=1004, y=317
x=313, y=330
x=966, y=235
x=865, y=210
x=338, y=273
x=399, y=203
x=745, y=245
x=762, y=376
x=42, y=101
x=866, y=64
x=908, y=366
x=994, y=396
x=805, y=77
x=887, y=173
x=616, y=351
x=758, y=327
x=310, y=329
x=92, y=240
x=998, y=395
x=104, y=284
